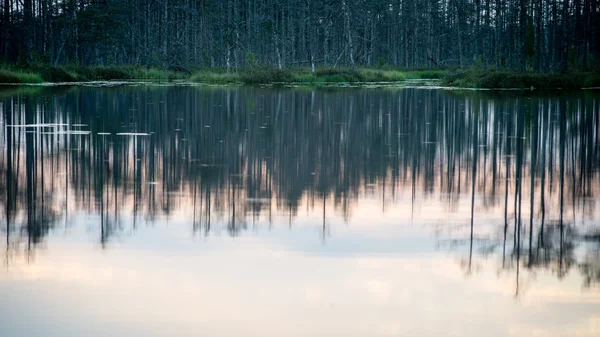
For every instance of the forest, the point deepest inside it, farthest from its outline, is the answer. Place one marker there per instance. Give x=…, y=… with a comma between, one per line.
x=519, y=35
x=186, y=35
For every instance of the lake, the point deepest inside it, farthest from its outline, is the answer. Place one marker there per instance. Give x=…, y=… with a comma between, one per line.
x=212, y=211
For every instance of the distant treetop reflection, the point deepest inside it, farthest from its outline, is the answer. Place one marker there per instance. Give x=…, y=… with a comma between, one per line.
x=226, y=157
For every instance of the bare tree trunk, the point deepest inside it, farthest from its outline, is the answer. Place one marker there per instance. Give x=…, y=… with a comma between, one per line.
x=478, y=40
x=372, y=41
x=165, y=31
x=188, y=35
x=539, y=50
x=460, y=48
x=311, y=36
x=283, y=36
x=28, y=31
x=326, y=43
x=497, y=28
x=348, y=31
x=238, y=41
x=414, y=36
x=6, y=29
x=522, y=34
x=276, y=42
x=228, y=37
x=565, y=42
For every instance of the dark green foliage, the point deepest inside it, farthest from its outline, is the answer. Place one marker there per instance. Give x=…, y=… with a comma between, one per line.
x=215, y=77
x=528, y=80
x=265, y=75
x=475, y=78
x=106, y=73
x=8, y=77
x=251, y=59
x=340, y=75
x=249, y=75
x=55, y=74
x=41, y=73
x=18, y=76
x=592, y=80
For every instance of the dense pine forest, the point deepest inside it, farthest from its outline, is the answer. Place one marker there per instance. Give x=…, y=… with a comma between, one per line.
x=520, y=35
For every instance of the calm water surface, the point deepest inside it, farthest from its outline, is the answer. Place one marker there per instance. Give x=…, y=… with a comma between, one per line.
x=187, y=211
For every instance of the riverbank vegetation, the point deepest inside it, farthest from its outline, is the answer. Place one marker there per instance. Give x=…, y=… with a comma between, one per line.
x=521, y=80
x=40, y=73
x=257, y=75
x=304, y=75
x=247, y=75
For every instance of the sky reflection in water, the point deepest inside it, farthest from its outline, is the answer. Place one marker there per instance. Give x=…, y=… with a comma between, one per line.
x=270, y=212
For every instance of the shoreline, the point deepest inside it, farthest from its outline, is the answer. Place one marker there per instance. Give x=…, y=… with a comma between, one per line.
x=116, y=83
x=470, y=79
x=411, y=84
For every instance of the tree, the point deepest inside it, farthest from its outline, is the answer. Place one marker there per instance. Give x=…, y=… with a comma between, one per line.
x=511, y=34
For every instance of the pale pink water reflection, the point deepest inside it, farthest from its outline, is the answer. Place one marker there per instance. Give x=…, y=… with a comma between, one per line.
x=283, y=212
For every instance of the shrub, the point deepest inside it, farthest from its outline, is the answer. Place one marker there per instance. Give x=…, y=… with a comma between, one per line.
x=265, y=75
x=428, y=74
x=9, y=76
x=251, y=59
x=506, y=79
x=215, y=78
x=338, y=75
x=109, y=73
x=56, y=74
x=304, y=77
x=592, y=80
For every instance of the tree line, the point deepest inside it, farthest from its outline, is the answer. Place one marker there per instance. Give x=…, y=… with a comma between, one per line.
x=540, y=35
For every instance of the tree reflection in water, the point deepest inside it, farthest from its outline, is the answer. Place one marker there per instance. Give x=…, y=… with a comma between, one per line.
x=227, y=158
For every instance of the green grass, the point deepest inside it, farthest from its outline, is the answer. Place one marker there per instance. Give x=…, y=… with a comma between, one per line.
x=57, y=74
x=265, y=75
x=127, y=72
x=323, y=75
x=526, y=80
x=435, y=74
x=157, y=74
x=248, y=76
x=19, y=76
x=215, y=77
x=591, y=80
x=326, y=76
x=305, y=76
x=45, y=73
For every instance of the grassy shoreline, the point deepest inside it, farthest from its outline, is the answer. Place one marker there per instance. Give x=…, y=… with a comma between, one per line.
x=248, y=76
x=48, y=74
x=471, y=78
x=478, y=79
